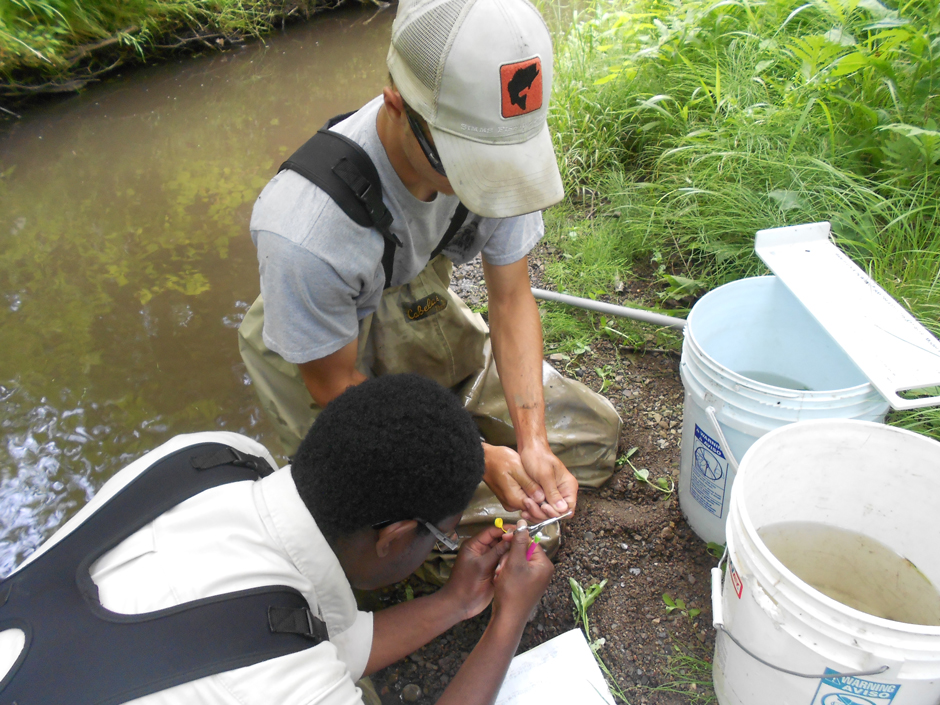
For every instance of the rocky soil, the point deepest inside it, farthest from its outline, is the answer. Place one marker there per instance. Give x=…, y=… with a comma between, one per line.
x=627, y=533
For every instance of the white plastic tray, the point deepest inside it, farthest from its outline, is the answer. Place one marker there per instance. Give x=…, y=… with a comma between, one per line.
x=894, y=351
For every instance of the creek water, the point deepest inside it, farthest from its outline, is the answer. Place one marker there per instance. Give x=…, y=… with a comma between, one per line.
x=125, y=260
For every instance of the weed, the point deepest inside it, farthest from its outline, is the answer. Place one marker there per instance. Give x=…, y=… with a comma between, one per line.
x=716, y=549
x=678, y=605
x=690, y=676
x=661, y=484
x=582, y=600
x=606, y=375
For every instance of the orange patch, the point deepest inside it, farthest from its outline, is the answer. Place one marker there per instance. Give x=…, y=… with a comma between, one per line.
x=521, y=87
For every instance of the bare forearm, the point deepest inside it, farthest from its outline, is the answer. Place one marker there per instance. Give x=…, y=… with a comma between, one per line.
x=402, y=629
x=516, y=332
x=479, y=679
x=329, y=377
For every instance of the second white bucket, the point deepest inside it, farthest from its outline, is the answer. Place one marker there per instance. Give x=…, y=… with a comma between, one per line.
x=851, y=506
x=754, y=359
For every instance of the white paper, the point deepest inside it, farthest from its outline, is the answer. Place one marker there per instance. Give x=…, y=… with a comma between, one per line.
x=562, y=670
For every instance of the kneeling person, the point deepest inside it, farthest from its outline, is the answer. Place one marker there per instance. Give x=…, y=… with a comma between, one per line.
x=190, y=580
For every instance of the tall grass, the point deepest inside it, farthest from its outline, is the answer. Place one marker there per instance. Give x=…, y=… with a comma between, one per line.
x=700, y=122
x=55, y=40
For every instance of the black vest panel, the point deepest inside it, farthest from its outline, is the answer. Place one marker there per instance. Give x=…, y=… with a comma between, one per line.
x=344, y=170
x=79, y=653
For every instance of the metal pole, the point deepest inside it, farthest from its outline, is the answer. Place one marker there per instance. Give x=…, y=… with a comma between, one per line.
x=610, y=309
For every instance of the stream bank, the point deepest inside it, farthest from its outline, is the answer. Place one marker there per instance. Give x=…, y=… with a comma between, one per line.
x=45, y=51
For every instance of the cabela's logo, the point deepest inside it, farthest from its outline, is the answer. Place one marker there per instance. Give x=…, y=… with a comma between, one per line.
x=422, y=308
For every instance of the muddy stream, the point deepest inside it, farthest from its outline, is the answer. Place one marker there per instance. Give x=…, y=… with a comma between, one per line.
x=125, y=259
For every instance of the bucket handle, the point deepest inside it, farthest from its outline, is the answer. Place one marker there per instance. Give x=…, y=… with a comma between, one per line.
x=713, y=417
x=718, y=624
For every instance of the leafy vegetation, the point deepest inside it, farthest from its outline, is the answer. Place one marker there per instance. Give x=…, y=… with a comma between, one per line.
x=684, y=127
x=58, y=44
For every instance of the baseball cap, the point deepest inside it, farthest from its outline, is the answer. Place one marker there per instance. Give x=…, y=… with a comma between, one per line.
x=480, y=73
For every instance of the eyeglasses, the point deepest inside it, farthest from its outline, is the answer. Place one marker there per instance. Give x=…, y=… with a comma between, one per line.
x=450, y=542
x=434, y=159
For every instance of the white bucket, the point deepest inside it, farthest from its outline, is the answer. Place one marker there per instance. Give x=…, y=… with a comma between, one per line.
x=858, y=476
x=754, y=328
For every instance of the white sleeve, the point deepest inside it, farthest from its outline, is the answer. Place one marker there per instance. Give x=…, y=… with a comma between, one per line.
x=513, y=238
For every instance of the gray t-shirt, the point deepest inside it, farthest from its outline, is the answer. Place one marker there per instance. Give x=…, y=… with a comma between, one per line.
x=321, y=273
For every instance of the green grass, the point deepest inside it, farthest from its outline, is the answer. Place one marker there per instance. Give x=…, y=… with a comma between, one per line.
x=700, y=123
x=49, y=42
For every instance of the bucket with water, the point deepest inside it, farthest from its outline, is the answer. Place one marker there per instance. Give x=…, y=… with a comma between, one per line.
x=829, y=591
x=819, y=340
x=754, y=359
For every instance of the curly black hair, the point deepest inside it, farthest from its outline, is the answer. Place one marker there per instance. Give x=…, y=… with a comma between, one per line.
x=392, y=448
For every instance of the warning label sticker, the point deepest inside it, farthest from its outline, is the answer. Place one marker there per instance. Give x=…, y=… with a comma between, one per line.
x=736, y=581
x=854, y=691
x=709, y=472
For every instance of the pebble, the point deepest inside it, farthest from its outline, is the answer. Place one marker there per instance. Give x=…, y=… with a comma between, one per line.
x=635, y=571
x=625, y=547
x=589, y=536
x=691, y=579
x=667, y=533
x=411, y=693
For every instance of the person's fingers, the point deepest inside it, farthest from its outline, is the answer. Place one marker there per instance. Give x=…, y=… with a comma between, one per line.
x=486, y=538
x=531, y=487
x=520, y=541
x=553, y=498
x=535, y=511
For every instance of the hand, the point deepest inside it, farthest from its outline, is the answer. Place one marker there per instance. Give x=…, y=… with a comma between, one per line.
x=471, y=582
x=505, y=476
x=521, y=582
x=551, y=490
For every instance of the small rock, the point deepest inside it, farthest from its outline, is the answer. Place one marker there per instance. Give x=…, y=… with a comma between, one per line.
x=625, y=547
x=411, y=693
x=702, y=636
x=634, y=571
x=691, y=579
x=558, y=357
x=589, y=536
x=667, y=533
x=661, y=635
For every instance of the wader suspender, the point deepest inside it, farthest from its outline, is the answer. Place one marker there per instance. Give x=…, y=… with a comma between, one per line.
x=342, y=168
x=80, y=653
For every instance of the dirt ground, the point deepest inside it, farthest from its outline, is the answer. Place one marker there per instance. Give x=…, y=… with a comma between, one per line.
x=627, y=533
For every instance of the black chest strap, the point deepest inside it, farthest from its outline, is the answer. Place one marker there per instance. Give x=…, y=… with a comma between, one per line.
x=341, y=167
x=80, y=653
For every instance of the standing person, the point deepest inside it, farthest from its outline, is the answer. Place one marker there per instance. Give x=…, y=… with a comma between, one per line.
x=462, y=122
x=188, y=580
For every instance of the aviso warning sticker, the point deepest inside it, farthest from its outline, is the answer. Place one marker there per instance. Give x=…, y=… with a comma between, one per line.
x=709, y=472
x=854, y=691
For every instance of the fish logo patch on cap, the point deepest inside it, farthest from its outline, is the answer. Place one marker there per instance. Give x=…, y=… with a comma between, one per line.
x=521, y=87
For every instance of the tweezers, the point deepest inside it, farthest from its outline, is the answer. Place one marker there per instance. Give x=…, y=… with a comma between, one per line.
x=535, y=528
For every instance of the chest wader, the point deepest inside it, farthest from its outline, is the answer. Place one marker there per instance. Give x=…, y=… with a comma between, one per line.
x=80, y=653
